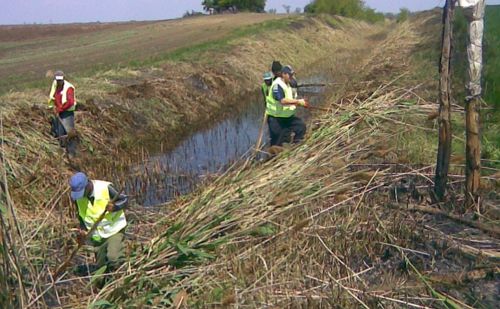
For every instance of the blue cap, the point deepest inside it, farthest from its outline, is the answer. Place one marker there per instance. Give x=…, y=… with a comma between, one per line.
x=287, y=69
x=268, y=75
x=78, y=182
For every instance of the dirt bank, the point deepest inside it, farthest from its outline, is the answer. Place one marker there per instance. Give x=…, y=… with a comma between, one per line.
x=124, y=113
x=27, y=52
x=339, y=221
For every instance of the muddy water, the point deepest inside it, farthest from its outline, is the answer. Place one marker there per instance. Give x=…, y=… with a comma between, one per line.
x=205, y=153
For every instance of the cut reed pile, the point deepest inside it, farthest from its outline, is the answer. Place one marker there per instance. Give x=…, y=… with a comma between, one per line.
x=315, y=226
x=121, y=111
x=300, y=229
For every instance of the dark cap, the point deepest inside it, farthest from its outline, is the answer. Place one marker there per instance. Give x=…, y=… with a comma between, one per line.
x=276, y=66
x=287, y=70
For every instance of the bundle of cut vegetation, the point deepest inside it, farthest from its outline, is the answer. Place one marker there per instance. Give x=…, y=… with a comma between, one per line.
x=309, y=227
x=121, y=114
x=343, y=219
x=328, y=223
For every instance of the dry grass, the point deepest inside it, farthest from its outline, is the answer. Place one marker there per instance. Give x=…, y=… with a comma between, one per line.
x=142, y=104
x=32, y=52
x=320, y=225
x=314, y=227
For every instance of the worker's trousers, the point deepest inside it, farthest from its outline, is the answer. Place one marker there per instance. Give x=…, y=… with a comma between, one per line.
x=281, y=129
x=61, y=126
x=110, y=251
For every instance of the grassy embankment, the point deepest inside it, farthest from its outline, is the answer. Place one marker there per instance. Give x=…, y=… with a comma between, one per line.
x=124, y=109
x=328, y=223
x=425, y=147
x=27, y=52
x=490, y=117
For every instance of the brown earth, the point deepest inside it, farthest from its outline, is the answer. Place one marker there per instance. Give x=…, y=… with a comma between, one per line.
x=156, y=102
x=125, y=113
x=14, y=33
x=28, y=52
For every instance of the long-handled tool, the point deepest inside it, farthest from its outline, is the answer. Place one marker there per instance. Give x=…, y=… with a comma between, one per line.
x=261, y=134
x=64, y=265
x=317, y=85
x=319, y=108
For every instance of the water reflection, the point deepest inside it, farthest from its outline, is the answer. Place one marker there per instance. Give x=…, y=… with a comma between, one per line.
x=166, y=176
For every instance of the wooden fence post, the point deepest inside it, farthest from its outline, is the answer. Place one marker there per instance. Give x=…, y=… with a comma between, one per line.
x=444, y=147
x=474, y=16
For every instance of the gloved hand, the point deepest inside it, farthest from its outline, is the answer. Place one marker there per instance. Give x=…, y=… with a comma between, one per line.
x=81, y=236
x=303, y=103
x=110, y=207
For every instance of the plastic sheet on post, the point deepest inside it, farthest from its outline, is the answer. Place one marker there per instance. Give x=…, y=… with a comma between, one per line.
x=475, y=57
x=467, y=3
x=475, y=14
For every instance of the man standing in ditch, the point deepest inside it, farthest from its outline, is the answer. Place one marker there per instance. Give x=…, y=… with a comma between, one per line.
x=266, y=85
x=62, y=101
x=293, y=82
x=281, y=109
x=276, y=68
x=92, y=199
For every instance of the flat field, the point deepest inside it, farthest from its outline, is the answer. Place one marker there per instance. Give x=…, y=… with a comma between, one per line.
x=27, y=52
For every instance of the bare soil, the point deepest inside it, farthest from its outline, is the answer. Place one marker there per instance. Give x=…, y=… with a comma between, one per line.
x=28, y=52
x=15, y=33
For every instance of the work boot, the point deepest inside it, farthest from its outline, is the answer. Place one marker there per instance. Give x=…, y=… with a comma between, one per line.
x=286, y=146
x=275, y=150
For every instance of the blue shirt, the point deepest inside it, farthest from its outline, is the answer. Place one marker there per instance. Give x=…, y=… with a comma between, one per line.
x=278, y=93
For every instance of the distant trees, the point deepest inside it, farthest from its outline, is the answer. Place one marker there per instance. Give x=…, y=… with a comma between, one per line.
x=191, y=14
x=348, y=8
x=234, y=5
x=287, y=8
x=403, y=15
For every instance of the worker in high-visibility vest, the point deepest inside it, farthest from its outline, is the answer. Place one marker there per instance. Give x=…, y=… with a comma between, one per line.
x=266, y=85
x=276, y=68
x=92, y=199
x=293, y=82
x=62, y=101
x=281, y=109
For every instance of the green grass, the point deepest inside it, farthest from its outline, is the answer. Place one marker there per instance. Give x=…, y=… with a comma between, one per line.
x=491, y=137
x=421, y=146
x=192, y=52
x=490, y=118
x=187, y=53
x=492, y=56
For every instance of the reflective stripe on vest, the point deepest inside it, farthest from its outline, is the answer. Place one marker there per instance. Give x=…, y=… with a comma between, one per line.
x=275, y=108
x=64, y=93
x=112, y=222
x=265, y=89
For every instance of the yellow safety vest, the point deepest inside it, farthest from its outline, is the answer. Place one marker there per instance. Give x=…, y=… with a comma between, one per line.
x=64, y=93
x=112, y=223
x=274, y=108
x=265, y=89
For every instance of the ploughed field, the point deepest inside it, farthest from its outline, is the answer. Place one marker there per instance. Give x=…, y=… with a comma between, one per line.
x=27, y=52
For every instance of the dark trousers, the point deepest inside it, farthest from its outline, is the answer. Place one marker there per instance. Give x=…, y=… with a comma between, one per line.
x=60, y=127
x=281, y=129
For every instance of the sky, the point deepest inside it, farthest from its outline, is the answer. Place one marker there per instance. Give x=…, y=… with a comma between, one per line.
x=67, y=11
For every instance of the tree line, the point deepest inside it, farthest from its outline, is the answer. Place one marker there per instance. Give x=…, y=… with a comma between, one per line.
x=231, y=5
x=348, y=8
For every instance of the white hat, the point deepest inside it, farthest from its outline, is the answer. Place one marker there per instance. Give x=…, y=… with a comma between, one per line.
x=59, y=75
